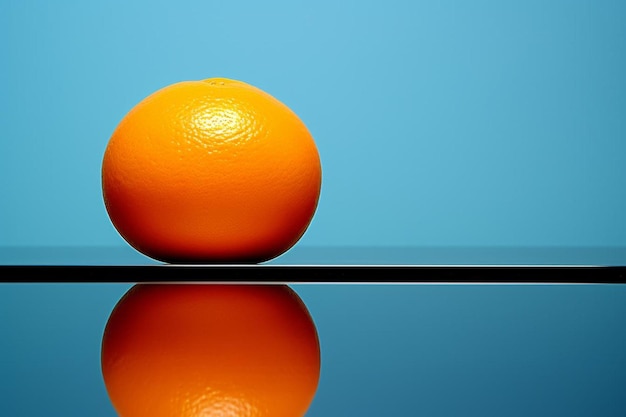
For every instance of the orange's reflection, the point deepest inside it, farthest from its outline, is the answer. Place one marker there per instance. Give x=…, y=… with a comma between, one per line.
x=200, y=350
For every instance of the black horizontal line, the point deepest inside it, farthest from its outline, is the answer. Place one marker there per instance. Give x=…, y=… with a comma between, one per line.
x=313, y=274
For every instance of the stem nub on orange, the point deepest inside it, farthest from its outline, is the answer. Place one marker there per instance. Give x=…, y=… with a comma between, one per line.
x=195, y=350
x=211, y=171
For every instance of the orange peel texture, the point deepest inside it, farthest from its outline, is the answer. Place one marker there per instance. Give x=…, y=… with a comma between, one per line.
x=212, y=171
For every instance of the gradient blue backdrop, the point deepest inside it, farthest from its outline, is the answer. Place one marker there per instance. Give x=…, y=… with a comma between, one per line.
x=439, y=123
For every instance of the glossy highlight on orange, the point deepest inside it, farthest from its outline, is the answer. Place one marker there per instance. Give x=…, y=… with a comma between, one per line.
x=199, y=350
x=211, y=171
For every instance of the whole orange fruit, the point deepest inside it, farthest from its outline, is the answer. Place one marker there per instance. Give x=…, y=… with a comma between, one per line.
x=196, y=350
x=211, y=171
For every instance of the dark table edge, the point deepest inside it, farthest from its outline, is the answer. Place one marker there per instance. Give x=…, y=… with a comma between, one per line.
x=382, y=274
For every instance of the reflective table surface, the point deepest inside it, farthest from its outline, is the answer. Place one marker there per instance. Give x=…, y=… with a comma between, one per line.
x=326, y=265
x=520, y=332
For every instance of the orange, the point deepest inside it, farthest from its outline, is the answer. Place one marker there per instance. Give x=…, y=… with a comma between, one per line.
x=213, y=171
x=199, y=350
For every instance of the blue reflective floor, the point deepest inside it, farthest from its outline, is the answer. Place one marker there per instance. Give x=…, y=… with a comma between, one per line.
x=387, y=349
x=418, y=350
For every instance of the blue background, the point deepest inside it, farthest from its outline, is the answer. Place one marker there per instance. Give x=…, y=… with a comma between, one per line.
x=439, y=123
